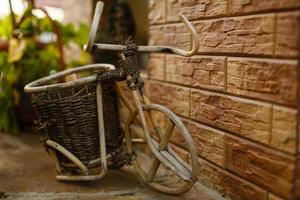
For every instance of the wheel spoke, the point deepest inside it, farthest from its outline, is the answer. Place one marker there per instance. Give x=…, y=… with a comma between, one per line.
x=177, y=167
x=167, y=134
x=165, y=180
x=168, y=160
x=153, y=169
x=178, y=158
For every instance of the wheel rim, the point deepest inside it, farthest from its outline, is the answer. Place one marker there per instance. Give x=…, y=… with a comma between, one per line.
x=174, y=162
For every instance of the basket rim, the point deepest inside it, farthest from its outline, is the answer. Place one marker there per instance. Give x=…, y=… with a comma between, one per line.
x=39, y=84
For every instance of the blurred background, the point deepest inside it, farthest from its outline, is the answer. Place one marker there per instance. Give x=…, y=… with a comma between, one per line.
x=39, y=37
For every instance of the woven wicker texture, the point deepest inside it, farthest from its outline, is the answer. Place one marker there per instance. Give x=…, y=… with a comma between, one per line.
x=69, y=117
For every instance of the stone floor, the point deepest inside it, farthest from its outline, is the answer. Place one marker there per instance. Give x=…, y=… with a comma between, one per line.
x=26, y=172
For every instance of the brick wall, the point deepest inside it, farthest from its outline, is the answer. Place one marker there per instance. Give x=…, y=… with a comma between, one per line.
x=239, y=96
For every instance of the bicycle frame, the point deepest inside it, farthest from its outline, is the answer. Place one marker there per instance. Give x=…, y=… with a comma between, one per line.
x=140, y=98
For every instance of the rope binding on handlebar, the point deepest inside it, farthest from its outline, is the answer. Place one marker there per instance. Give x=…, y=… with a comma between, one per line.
x=130, y=65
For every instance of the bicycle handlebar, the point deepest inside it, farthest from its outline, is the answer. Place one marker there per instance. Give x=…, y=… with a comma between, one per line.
x=165, y=49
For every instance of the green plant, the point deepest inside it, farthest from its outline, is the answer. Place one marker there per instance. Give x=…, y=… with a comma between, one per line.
x=26, y=60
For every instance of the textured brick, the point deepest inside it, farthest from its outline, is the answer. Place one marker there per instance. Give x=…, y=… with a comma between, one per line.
x=253, y=35
x=157, y=11
x=229, y=185
x=197, y=71
x=210, y=142
x=267, y=79
x=250, y=119
x=156, y=66
x=234, y=164
x=195, y=9
x=287, y=38
x=270, y=169
x=284, y=128
x=174, y=34
x=249, y=6
x=242, y=35
x=174, y=97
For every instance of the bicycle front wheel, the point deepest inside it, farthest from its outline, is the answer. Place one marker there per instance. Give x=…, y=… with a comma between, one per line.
x=169, y=161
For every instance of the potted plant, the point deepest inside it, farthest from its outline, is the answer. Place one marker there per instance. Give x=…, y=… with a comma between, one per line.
x=30, y=50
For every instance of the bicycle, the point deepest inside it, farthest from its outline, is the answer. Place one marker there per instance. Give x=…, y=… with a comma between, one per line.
x=146, y=123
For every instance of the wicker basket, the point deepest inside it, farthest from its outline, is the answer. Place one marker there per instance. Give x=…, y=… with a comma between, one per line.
x=68, y=114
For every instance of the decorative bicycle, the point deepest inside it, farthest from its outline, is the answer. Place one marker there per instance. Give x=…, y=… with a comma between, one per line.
x=81, y=118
